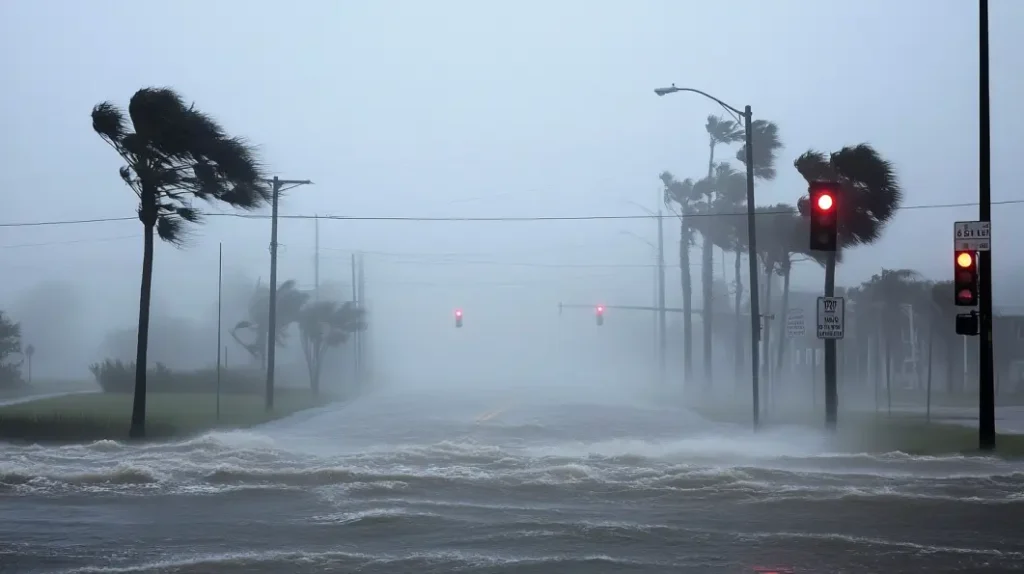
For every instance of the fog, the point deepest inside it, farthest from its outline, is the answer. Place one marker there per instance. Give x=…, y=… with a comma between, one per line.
x=465, y=110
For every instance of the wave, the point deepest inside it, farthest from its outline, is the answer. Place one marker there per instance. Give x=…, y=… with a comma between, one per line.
x=298, y=561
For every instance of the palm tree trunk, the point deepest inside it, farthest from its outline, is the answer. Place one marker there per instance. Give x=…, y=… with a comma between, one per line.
x=928, y=390
x=780, y=363
x=138, y=424
x=684, y=271
x=707, y=303
x=315, y=369
x=740, y=354
x=888, y=371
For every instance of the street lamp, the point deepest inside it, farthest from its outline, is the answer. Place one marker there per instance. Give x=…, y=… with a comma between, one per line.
x=755, y=311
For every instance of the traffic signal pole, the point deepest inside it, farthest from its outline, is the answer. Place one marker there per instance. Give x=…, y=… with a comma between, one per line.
x=986, y=375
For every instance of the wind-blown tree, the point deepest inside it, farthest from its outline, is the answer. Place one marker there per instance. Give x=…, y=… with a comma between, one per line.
x=767, y=144
x=173, y=154
x=870, y=195
x=324, y=325
x=720, y=180
x=682, y=194
x=718, y=194
x=888, y=294
x=290, y=302
x=10, y=347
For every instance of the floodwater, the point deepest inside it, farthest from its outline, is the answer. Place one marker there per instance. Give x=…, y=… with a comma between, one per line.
x=430, y=483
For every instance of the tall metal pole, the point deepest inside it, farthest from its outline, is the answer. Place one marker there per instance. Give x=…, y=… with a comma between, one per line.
x=277, y=184
x=662, y=345
x=831, y=384
x=316, y=258
x=272, y=323
x=755, y=307
x=360, y=335
x=355, y=336
x=986, y=374
x=220, y=306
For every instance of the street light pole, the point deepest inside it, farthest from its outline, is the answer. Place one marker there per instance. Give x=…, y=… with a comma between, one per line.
x=662, y=346
x=278, y=186
x=755, y=311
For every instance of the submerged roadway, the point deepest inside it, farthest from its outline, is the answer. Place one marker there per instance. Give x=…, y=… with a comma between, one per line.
x=405, y=482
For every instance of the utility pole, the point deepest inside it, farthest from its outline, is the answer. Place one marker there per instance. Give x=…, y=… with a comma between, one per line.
x=316, y=258
x=279, y=185
x=662, y=345
x=986, y=375
x=360, y=335
x=355, y=336
x=220, y=291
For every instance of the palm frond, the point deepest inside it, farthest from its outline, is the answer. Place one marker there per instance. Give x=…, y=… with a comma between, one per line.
x=767, y=144
x=723, y=131
x=177, y=153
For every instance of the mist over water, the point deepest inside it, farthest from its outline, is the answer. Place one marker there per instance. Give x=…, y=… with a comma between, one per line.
x=453, y=478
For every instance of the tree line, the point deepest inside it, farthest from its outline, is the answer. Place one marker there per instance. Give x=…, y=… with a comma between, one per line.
x=712, y=208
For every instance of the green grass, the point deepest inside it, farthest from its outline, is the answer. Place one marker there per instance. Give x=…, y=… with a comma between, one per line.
x=98, y=416
x=879, y=432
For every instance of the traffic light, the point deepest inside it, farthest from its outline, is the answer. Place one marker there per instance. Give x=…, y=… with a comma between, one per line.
x=600, y=315
x=458, y=318
x=965, y=278
x=824, y=199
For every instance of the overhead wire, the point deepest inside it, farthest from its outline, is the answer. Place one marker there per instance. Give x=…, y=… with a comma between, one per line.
x=477, y=219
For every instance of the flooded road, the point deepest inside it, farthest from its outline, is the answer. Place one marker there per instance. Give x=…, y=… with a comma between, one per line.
x=404, y=482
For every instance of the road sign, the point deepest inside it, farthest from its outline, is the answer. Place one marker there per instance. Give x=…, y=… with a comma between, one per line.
x=972, y=235
x=831, y=317
x=796, y=325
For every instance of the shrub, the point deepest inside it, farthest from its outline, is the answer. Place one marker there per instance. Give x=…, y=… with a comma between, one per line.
x=115, y=376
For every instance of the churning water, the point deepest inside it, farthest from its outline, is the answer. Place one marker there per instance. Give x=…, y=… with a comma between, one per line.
x=399, y=483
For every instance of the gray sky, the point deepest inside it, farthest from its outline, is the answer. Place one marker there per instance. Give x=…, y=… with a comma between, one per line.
x=461, y=108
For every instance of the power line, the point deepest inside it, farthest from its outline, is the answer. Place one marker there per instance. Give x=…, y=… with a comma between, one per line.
x=494, y=219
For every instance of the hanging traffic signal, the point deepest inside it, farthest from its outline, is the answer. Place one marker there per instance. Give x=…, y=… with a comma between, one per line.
x=824, y=199
x=965, y=278
x=458, y=318
x=600, y=315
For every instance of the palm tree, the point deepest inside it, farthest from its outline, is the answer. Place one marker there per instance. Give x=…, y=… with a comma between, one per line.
x=323, y=325
x=871, y=195
x=718, y=193
x=290, y=301
x=889, y=293
x=682, y=194
x=173, y=154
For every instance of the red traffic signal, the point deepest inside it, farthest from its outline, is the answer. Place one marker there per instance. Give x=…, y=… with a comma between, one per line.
x=600, y=315
x=965, y=278
x=824, y=197
x=458, y=318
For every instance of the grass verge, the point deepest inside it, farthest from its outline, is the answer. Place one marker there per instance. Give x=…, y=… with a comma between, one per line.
x=879, y=432
x=98, y=416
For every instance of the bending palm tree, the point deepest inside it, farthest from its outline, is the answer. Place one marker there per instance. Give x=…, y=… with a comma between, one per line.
x=718, y=194
x=682, y=194
x=175, y=154
x=871, y=195
x=726, y=132
x=323, y=325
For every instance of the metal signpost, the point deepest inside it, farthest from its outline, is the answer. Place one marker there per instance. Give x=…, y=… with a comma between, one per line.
x=831, y=327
